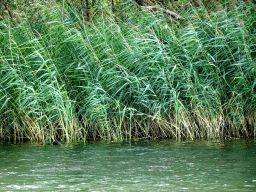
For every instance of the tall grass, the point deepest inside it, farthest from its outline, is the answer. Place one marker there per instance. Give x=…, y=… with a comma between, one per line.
x=128, y=74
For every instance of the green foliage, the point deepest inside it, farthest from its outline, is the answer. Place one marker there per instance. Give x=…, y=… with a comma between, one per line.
x=126, y=75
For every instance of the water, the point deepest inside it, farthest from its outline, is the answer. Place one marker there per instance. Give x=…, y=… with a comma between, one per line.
x=137, y=166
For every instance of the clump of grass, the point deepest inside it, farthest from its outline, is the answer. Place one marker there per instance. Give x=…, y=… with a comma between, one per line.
x=128, y=74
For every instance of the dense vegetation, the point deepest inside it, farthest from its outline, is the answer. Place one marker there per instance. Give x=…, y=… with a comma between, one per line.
x=126, y=71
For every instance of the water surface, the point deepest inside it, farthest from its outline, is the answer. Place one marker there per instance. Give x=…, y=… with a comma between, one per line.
x=136, y=166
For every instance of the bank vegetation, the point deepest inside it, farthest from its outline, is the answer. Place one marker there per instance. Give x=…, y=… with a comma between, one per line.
x=122, y=70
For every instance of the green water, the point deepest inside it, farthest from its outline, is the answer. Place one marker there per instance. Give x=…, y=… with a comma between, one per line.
x=137, y=166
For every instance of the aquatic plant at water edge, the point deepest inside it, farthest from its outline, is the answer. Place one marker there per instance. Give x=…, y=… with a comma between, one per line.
x=128, y=74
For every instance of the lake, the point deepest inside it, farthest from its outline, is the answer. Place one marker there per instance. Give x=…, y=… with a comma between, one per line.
x=163, y=165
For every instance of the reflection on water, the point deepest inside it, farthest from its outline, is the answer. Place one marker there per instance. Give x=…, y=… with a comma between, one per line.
x=137, y=166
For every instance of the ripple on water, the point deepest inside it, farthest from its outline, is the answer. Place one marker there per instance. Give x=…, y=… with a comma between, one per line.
x=151, y=166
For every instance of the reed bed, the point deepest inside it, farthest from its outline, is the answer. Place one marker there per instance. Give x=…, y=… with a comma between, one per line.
x=128, y=74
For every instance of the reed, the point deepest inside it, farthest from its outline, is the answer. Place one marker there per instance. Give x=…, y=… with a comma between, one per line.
x=128, y=73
